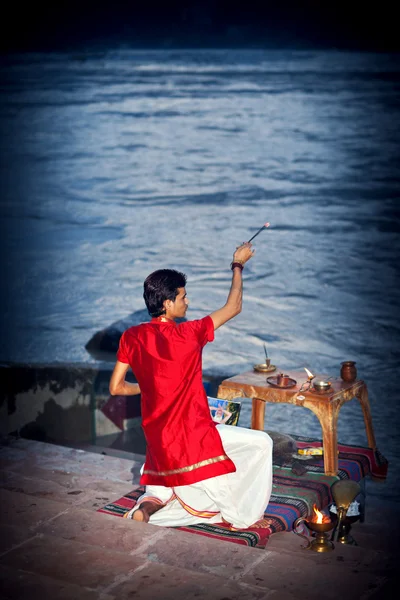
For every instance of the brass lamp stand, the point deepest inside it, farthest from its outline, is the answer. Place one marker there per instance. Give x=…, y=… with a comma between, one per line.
x=344, y=492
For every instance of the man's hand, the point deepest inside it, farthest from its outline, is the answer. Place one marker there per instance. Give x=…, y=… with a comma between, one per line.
x=243, y=253
x=233, y=304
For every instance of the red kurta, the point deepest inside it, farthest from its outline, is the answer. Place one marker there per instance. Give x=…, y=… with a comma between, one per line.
x=183, y=445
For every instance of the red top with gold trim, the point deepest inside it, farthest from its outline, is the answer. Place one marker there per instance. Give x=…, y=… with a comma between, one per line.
x=183, y=445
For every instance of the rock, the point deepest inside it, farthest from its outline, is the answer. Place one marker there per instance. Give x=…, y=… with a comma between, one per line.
x=284, y=453
x=284, y=446
x=104, y=344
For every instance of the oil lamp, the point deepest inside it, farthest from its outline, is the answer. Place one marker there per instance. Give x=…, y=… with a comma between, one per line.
x=319, y=524
x=307, y=382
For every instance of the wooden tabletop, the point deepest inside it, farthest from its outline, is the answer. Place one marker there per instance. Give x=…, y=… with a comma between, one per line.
x=252, y=384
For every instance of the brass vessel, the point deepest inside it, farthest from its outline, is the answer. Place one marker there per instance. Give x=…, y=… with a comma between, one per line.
x=344, y=493
x=320, y=541
x=348, y=371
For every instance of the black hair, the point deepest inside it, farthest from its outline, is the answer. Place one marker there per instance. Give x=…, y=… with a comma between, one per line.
x=159, y=286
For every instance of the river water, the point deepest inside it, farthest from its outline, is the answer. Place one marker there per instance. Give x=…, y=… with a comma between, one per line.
x=116, y=163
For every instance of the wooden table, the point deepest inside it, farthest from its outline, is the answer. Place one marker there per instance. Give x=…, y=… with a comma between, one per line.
x=325, y=406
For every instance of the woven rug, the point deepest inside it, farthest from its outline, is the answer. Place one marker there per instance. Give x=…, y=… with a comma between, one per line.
x=292, y=496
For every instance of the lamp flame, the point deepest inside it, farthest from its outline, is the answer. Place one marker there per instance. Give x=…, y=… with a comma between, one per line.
x=318, y=516
x=309, y=374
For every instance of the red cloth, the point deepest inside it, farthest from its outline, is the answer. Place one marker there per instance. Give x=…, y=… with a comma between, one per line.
x=183, y=445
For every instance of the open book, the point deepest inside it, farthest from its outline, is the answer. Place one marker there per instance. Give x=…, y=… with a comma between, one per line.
x=224, y=411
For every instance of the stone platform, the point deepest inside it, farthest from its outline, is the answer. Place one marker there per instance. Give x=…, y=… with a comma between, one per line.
x=53, y=543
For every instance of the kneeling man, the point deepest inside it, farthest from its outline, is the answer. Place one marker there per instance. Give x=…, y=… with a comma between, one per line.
x=196, y=471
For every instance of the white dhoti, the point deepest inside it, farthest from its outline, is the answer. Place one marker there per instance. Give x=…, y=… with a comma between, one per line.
x=239, y=498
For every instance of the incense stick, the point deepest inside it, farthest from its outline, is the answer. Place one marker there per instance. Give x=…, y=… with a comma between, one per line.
x=259, y=231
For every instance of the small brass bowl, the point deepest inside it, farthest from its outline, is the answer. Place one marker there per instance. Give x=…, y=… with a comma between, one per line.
x=322, y=386
x=264, y=368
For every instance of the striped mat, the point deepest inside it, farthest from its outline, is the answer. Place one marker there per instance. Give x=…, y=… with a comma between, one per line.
x=292, y=496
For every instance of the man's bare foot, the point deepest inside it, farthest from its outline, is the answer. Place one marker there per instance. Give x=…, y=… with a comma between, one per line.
x=145, y=511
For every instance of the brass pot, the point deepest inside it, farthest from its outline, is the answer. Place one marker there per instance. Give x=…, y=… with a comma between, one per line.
x=282, y=379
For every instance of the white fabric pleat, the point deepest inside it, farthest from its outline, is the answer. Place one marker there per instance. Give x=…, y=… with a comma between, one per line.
x=239, y=498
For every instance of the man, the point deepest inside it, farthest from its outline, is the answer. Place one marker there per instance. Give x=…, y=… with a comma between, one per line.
x=195, y=471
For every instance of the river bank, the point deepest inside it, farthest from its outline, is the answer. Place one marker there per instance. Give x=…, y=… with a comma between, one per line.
x=70, y=404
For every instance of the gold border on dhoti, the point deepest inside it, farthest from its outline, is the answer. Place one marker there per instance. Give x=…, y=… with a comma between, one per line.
x=205, y=514
x=203, y=463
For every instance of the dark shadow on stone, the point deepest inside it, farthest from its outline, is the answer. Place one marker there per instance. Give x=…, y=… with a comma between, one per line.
x=18, y=379
x=13, y=382
x=130, y=440
x=66, y=424
x=33, y=431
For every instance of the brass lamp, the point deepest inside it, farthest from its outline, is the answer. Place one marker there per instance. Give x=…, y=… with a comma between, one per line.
x=344, y=492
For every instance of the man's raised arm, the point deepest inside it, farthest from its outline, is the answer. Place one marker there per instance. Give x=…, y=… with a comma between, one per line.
x=233, y=304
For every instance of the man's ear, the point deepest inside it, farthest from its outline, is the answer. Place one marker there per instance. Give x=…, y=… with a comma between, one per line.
x=167, y=304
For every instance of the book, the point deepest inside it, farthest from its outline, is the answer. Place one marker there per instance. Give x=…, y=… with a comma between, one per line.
x=224, y=411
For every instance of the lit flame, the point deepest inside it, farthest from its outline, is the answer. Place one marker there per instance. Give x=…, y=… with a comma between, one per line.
x=266, y=224
x=318, y=516
x=310, y=375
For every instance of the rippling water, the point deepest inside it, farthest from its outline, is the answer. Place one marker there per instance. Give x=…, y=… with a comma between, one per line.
x=118, y=163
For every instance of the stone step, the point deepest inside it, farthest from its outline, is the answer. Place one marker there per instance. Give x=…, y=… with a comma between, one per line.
x=25, y=455
x=22, y=518
x=120, y=574
x=67, y=488
x=52, y=538
x=17, y=584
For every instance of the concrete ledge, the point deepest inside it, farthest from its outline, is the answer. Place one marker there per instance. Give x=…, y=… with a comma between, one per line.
x=59, y=402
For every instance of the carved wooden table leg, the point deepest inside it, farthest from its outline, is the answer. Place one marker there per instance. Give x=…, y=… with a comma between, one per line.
x=362, y=397
x=258, y=414
x=329, y=431
x=328, y=417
